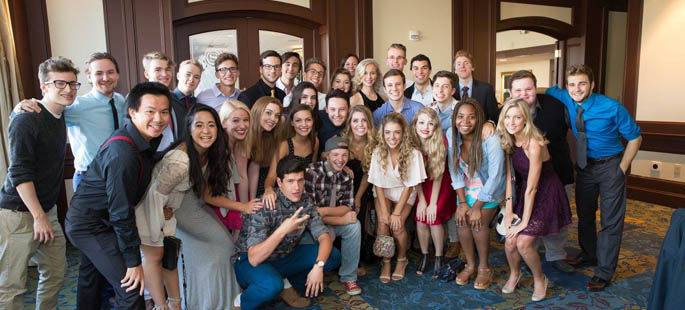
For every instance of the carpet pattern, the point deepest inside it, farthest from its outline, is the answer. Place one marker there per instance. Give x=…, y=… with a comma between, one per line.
x=645, y=227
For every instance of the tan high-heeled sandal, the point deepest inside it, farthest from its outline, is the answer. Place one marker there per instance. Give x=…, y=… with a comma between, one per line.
x=397, y=275
x=483, y=279
x=385, y=271
x=465, y=275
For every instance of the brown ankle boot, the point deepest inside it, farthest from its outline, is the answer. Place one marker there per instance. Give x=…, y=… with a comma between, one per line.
x=452, y=250
x=290, y=296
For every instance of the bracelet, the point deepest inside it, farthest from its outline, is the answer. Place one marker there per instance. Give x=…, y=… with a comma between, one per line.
x=395, y=214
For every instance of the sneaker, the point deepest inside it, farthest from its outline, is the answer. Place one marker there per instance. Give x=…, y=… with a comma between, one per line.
x=294, y=300
x=452, y=250
x=351, y=288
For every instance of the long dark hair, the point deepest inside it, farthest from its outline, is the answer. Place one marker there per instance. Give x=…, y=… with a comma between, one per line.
x=297, y=96
x=218, y=171
x=290, y=131
x=476, y=153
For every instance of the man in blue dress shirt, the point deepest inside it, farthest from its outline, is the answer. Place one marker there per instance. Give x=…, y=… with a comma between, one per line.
x=393, y=82
x=598, y=123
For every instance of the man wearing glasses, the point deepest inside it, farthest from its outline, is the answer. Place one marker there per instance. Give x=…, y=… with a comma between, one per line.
x=315, y=73
x=227, y=71
x=270, y=71
x=29, y=229
x=397, y=59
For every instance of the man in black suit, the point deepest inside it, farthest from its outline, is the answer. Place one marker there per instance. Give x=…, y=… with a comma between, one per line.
x=160, y=68
x=550, y=116
x=468, y=87
x=269, y=71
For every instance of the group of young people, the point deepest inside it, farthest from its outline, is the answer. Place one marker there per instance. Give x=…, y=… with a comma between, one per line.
x=258, y=184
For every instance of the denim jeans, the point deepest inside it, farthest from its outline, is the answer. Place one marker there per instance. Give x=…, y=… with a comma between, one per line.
x=265, y=281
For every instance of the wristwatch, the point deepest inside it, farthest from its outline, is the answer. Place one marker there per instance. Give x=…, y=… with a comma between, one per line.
x=319, y=263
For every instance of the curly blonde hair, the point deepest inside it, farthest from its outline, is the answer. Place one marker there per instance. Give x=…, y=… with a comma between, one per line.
x=406, y=146
x=434, y=146
x=265, y=142
x=530, y=132
x=227, y=108
x=370, y=134
x=359, y=74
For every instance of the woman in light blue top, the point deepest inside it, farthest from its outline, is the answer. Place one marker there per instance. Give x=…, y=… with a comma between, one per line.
x=478, y=175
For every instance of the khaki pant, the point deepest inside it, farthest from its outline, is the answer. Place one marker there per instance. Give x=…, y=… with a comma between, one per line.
x=17, y=247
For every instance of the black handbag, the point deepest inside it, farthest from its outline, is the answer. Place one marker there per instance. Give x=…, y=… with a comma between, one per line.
x=449, y=271
x=172, y=247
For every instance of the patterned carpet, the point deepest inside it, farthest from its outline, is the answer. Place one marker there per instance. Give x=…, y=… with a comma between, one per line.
x=645, y=227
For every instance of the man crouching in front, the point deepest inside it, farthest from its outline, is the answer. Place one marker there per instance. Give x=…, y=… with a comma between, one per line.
x=268, y=248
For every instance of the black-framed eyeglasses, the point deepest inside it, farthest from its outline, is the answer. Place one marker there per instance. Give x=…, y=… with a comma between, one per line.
x=223, y=70
x=272, y=67
x=59, y=84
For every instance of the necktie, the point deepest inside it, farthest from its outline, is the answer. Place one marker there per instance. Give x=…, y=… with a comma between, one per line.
x=114, y=114
x=187, y=103
x=581, y=146
x=464, y=92
x=273, y=93
x=334, y=192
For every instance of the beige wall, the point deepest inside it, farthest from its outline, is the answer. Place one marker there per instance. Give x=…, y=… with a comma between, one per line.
x=514, y=39
x=392, y=21
x=77, y=29
x=660, y=96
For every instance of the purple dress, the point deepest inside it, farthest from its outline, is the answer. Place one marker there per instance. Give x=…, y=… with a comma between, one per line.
x=551, y=211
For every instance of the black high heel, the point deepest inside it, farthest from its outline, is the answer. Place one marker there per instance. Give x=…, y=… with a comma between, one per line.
x=423, y=263
x=436, y=267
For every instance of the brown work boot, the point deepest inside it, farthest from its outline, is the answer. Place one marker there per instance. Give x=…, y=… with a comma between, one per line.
x=290, y=296
x=453, y=250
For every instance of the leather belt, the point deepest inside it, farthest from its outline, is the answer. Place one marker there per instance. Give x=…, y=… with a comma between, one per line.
x=595, y=161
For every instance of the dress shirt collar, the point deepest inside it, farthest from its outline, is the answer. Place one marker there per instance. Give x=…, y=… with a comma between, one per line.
x=217, y=92
x=100, y=96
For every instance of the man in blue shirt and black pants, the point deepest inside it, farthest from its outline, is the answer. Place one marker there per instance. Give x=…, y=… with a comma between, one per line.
x=598, y=123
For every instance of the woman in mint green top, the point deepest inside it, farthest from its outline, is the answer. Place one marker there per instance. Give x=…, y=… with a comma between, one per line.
x=478, y=175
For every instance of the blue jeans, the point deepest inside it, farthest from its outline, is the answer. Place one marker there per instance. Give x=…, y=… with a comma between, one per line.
x=350, y=246
x=265, y=281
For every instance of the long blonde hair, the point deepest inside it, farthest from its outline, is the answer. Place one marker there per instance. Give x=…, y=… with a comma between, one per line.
x=265, y=141
x=434, y=145
x=243, y=147
x=529, y=133
x=406, y=147
x=370, y=134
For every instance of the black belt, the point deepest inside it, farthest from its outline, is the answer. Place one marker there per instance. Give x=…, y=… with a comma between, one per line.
x=603, y=159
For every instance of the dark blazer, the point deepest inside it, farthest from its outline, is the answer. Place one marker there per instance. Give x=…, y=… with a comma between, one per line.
x=180, y=112
x=551, y=119
x=485, y=94
x=256, y=91
x=410, y=90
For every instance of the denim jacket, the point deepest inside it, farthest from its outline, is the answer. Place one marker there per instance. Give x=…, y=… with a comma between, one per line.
x=492, y=171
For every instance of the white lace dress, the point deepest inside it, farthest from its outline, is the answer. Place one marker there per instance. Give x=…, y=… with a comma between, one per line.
x=168, y=187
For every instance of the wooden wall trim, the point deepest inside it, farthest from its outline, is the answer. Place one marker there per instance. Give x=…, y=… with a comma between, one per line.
x=316, y=13
x=657, y=191
x=562, y=3
x=544, y=25
x=632, y=62
x=474, y=30
x=541, y=49
x=665, y=137
x=32, y=41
